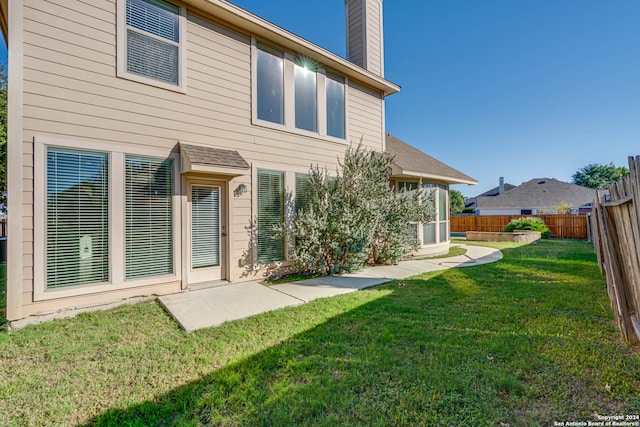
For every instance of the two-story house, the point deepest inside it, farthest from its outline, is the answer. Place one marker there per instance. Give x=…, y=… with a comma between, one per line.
x=152, y=144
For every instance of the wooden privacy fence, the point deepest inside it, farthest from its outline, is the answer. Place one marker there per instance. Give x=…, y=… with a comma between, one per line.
x=561, y=226
x=616, y=238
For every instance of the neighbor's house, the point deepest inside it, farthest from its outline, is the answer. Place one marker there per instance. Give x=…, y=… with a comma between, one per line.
x=538, y=196
x=412, y=169
x=152, y=144
x=470, y=202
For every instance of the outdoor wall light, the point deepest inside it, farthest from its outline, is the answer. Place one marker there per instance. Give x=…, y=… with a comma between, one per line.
x=242, y=188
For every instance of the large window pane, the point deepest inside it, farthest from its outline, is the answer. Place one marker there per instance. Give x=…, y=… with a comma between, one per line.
x=149, y=217
x=305, y=98
x=442, y=203
x=270, y=84
x=407, y=186
x=77, y=218
x=429, y=233
x=153, y=37
x=303, y=191
x=152, y=58
x=444, y=231
x=270, y=213
x=335, y=107
x=156, y=17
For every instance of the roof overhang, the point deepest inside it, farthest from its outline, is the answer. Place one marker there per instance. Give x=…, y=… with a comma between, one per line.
x=261, y=28
x=398, y=172
x=208, y=160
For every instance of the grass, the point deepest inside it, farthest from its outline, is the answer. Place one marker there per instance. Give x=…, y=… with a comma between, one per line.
x=525, y=341
x=3, y=296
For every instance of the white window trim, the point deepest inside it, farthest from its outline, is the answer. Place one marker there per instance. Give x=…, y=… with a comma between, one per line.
x=289, y=125
x=116, y=193
x=121, y=59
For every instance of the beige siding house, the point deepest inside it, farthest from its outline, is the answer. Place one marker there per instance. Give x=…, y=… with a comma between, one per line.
x=153, y=143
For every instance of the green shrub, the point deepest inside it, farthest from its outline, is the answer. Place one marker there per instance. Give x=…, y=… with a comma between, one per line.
x=529, y=223
x=356, y=217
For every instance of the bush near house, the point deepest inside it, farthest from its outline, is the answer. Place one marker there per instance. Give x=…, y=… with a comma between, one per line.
x=356, y=217
x=529, y=223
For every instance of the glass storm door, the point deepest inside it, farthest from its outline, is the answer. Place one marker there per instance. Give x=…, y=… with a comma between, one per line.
x=207, y=232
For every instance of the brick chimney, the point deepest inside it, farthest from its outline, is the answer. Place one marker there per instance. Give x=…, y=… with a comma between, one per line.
x=365, y=45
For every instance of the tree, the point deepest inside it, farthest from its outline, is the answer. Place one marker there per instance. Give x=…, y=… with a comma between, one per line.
x=356, y=217
x=599, y=176
x=456, y=202
x=3, y=138
x=563, y=207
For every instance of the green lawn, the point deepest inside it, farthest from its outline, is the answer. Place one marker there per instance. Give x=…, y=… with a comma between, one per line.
x=3, y=296
x=523, y=342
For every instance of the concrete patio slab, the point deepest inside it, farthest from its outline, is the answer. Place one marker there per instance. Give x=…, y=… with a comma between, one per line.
x=213, y=306
x=208, y=307
x=308, y=290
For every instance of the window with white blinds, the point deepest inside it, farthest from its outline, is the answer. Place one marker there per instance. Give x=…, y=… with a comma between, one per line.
x=148, y=216
x=205, y=227
x=77, y=243
x=270, y=213
x=153, y=39
x=303, y=191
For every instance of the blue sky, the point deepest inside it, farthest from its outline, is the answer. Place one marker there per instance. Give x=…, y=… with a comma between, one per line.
x=516, y=88
x=522, y=89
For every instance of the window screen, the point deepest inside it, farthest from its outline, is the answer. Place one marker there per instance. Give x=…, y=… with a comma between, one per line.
x=77, y=218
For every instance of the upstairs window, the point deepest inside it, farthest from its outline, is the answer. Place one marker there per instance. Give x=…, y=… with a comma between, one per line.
x=305, y=98
x=270, y=84
x=296, y=94
x=151, y=44
x=335, y=106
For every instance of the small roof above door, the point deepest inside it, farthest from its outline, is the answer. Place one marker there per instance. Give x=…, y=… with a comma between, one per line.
x=199, y=159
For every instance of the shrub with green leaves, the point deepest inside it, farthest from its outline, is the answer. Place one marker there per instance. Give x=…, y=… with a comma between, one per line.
x=356, y=217
x=529, y=223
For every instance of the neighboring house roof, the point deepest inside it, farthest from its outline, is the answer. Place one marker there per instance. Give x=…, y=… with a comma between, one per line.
x=471, y=201
x=496, y=191
x=261, y=28
x=539, y=193
x=411, y=162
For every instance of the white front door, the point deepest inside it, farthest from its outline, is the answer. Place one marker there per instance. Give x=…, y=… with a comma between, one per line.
x=207, y=232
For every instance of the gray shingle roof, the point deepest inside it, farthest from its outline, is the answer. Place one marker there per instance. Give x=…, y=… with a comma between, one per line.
x=496, y=190
x=213, y=156
x=539, y=193
x=411, y=159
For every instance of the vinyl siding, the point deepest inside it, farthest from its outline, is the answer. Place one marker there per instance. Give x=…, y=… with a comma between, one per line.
x=374, y=37
x=355, y=33
x=364, y=35
x=71, y=92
